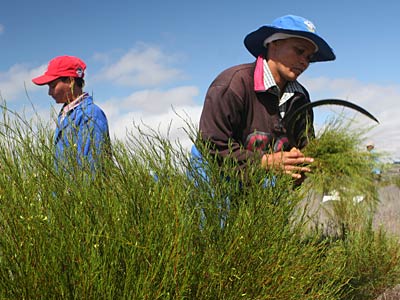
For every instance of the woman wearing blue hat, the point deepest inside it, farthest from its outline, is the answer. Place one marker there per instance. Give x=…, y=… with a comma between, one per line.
x=245, y=105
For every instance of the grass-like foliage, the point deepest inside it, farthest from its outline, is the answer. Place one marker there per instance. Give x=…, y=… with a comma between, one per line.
x=144, y=229
x=341, y=163
x=343, y=169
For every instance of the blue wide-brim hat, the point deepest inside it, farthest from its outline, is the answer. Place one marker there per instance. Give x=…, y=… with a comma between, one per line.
x=291, y=25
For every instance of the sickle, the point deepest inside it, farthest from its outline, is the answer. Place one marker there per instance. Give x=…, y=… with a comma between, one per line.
x=290, y=118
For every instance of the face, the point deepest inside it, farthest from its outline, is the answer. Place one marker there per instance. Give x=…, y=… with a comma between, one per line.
x=289, y=58
x=60, y=90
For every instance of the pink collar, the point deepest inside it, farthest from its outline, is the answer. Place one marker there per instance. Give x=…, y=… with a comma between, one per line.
x=70, y=106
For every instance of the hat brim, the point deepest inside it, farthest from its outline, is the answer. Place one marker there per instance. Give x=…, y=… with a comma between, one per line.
x=254, y=42
x=44, y=79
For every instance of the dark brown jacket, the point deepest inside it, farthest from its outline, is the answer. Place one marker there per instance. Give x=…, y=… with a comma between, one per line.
x=233, y=112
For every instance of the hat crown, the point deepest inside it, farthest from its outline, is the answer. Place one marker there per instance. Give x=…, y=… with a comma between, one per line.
x=66, y=66
x=62, y=66
x=289, y=25
x=291, y=22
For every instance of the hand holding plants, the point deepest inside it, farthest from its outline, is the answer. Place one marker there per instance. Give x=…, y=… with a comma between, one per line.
x=291, y=162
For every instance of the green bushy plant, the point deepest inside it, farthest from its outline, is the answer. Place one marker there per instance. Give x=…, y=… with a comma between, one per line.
x=142, y=229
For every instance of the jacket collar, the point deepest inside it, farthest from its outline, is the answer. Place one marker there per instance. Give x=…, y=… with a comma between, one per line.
x=70, y=106
x=65, y=119
x=264, y=81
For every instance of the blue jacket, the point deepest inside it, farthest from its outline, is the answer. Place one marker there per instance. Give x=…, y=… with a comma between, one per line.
x=85, y=128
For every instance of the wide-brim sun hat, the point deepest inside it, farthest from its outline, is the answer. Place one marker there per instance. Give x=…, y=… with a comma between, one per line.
x=370, y=143
x=289, y=25
x=62, y=66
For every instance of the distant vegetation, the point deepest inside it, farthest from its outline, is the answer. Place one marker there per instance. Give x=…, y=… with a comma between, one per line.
x=141, y=229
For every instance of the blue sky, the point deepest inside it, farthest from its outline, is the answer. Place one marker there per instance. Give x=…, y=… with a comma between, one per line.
x=146, y=57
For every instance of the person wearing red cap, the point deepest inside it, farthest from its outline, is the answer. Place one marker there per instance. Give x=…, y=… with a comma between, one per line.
x=82, y=127
x=244, y=108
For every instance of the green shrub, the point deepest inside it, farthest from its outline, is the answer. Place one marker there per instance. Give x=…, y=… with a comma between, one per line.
x=142, y=229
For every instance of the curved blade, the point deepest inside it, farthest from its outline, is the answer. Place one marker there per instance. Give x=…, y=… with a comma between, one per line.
x=288, y=119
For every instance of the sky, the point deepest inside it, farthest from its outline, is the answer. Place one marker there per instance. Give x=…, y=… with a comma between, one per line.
x=151, y=62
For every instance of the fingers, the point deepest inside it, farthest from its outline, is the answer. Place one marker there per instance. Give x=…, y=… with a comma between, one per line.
x=297, y=169
x=294, y=175
x=293, y=161
x=296, y=172
x=296, y=158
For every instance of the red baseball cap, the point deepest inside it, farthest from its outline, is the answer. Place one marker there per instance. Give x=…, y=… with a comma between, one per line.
x=62, y=66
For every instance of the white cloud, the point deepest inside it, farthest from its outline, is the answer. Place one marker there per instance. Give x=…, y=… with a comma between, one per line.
x=155, y=101
x=172, y=123
x=382, y=101
x=14, y=81
x=141, y=66
x=161, y=110
x=2, y=28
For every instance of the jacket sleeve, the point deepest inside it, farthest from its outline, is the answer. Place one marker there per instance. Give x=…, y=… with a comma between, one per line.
x=220, y=124
x=93, y=136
